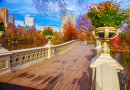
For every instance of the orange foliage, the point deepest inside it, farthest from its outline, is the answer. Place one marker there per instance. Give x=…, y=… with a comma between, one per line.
x=69, y=32
x=22, y=34
x=56, y=38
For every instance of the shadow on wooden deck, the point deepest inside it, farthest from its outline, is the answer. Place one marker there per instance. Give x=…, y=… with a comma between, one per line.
x=7, y=86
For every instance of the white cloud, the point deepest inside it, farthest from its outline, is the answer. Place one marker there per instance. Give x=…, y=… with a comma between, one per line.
x=26, y=10
x=13, y=9
x=30, y=9
x=118, y=0
x=127, y=3
x=19, y=22
x=71, y=8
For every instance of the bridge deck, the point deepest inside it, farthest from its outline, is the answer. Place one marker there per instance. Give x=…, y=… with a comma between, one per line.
x=69, y=71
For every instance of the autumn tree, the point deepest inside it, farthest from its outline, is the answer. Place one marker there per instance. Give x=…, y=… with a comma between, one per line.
x=10, y=34
x=69, y=32
x=128, y=36
x=83, y=24
x=125, y=34
x=115, y=42
x=32, y=33
x=39, y=35
x=56, y=39
x=79, y=35
x=127, y=12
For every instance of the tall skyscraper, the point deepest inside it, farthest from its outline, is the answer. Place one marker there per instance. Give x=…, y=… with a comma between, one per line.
x=4, y=14
x=29, y=21
x=12, y=19
x=64, y=21
x=72, y=19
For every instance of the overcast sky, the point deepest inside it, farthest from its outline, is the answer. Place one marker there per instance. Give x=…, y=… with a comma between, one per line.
x=20, y=8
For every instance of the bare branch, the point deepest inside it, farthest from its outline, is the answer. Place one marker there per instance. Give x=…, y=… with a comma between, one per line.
x=54, y=7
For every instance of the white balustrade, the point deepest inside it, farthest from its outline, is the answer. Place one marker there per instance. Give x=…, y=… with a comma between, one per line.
x=19, y=59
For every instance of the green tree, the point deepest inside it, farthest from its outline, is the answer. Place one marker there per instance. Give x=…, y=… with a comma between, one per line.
x=2, y=27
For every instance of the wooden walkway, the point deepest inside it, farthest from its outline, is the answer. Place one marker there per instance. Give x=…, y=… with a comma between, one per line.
x=69, y=71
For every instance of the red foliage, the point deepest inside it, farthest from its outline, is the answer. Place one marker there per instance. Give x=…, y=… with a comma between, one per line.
x=128, y=32
x=69, y=32
x=83, y=24
x=116, y=40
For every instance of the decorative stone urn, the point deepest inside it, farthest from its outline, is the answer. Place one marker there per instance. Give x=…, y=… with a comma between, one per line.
x=2, y=34
x=49, y=37
x=103, y=64
x=104, y=34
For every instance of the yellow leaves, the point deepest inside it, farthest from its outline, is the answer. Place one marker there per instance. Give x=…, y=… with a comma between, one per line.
x=56, y=39
x=86, y=16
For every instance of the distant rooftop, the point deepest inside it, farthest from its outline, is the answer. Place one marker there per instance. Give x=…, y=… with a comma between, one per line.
x=27, y=15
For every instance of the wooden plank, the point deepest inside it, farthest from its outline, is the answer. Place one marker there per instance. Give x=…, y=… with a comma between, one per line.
x=65, y=77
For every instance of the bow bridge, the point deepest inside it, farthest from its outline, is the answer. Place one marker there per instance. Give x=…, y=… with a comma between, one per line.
x=59, y=67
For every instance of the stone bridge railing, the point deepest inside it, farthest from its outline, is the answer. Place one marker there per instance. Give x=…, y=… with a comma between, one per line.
x=18, y=59
x=105, y=69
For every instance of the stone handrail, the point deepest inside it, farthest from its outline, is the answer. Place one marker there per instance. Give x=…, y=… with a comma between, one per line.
x=19, y=59
x=61, y=48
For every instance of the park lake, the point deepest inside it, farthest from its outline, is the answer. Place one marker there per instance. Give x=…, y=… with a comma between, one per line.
x=22, y=45
x=124, y=76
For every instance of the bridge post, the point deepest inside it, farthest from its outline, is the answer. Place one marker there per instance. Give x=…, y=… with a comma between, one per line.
x=50, y=49
x=4, y=61
x=97, y=61
x=97, y=42
x=98, y=52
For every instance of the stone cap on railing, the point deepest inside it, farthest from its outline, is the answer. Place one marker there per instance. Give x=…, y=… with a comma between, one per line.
x=65, y=43
x=28, y=49
x=37, y=48
x=4, y=51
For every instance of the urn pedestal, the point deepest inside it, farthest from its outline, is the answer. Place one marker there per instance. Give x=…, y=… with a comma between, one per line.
x=49, y=45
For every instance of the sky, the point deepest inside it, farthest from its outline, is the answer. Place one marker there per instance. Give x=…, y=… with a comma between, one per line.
x=20, y=8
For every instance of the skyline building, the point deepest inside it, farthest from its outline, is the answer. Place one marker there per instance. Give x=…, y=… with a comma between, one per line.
x=12, y=20
x=42, y=27
x=64, y=21
x=72, y=19
x=29, y=21
x=4, y=14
